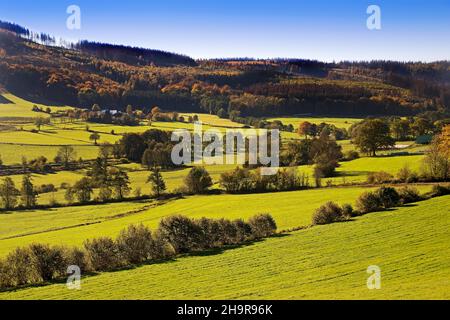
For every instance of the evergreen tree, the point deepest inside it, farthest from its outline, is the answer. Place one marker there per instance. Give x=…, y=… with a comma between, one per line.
x=157, y=182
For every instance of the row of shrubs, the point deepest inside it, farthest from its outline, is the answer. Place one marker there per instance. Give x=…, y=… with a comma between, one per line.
x=373, y=201
x=39, y=263
x=404, y=175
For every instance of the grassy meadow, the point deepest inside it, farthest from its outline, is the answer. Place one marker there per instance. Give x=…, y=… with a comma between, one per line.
x=338, y=122
x=325, y=262
x=289, y=209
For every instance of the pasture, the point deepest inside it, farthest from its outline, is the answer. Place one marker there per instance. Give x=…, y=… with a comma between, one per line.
x=325, y=262
x=16, y=108
x=344, y=123
x=289, y=209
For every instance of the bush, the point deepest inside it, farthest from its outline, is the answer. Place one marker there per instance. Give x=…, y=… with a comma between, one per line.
x=262, y=225
x=103, y=254
x=49, y=262
x=379, y=177
x=409, y=195
x=351, y=155
x=161, y=248
x=389, y=197
x=64, y=186
x=211, y=233
x=229, y=232
x=407, y=175
x=182, y=233
x=368, y=202
x=347, y=211
x=237, y=181
x=21, y=267
x=438, y=191
x=78, y=257
x=135, y=244
x=5, y=277
x=328, y=213
x=243, y=230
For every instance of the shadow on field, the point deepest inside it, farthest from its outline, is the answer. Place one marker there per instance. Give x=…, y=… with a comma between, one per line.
x=409, y=205
x=204, y=253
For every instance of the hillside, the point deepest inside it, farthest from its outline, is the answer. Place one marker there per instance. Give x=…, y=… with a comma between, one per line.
x=326, y=262
x=115, y=76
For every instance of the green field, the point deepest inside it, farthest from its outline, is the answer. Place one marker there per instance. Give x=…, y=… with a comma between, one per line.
x=289, y=209
x=20, y=108
x=326, y=262
x=356, y=171
x=338, y=122
x=213, y=120
x=13, y=153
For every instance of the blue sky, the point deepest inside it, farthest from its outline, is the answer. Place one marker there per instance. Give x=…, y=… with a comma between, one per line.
x=316, y=29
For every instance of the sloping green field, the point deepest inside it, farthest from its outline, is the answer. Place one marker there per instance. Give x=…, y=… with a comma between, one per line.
x=53, y=226
x=19, y=108
x=410, y=245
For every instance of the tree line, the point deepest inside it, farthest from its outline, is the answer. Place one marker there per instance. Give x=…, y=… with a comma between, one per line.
x=135, y=245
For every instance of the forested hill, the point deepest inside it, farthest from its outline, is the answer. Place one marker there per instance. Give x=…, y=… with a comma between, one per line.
x=115, y=76
x=133, y=55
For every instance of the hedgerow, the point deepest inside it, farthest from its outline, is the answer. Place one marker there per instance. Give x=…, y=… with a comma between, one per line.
x=136, y=244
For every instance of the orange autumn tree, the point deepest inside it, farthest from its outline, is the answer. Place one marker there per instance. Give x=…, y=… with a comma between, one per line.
x=444, y=143
x=304, y=128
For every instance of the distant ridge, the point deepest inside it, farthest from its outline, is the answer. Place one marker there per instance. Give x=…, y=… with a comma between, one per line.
x=133, y=55
x=106, y=51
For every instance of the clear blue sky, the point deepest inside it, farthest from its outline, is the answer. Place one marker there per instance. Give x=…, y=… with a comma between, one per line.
x=316, y=29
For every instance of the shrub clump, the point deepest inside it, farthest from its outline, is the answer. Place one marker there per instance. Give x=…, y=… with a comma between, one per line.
x=409, y=195
x=328, y=213
x=388, y=196
x=369, y=202
x=103, y=254
x=379, y=177
x=48, y=262
x=183, y=233
x=439, y=191
x=348, y=211
x=351, y=155
x=135, y=244
x=262, y=225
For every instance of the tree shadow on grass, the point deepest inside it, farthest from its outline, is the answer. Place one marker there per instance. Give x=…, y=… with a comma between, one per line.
x=204, y=253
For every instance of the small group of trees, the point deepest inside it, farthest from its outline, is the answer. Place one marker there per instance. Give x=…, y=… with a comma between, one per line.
x=112, y=181
x=372, y=135
x=9, y=194
x=307, y=129
x=323, y=151
x=134, y=245
x=242, y=180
